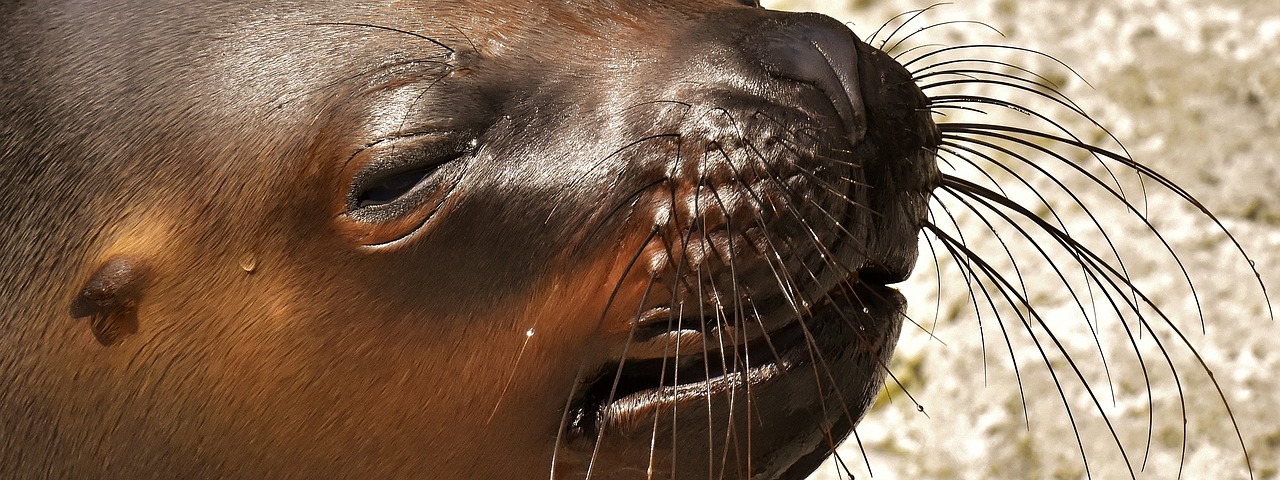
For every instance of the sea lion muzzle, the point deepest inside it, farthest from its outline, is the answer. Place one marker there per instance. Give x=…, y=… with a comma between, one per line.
x=792, y=192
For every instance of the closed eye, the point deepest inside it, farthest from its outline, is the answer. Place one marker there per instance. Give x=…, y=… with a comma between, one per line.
x=398, y=170
x=396, y=183
x=391, y=188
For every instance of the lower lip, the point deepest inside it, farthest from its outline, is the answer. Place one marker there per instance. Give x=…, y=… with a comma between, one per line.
x=797, y=346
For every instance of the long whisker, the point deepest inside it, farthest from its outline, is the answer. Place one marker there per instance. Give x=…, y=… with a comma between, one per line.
x=582, y=365
x=818, y=244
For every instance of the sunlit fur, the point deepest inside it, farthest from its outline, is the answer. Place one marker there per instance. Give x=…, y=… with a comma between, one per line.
x=685, y=259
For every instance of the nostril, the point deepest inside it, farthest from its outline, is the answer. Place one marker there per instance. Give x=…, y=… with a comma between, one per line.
x=820, y=51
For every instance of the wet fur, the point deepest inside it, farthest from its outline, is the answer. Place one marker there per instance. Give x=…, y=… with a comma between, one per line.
x=994, y=282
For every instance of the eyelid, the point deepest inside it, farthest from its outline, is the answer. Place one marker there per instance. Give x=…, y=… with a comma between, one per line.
x=447, y=157
x=385, y=160
x=385, y=149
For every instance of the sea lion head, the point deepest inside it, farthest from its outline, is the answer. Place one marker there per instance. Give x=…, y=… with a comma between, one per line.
x=449, y=239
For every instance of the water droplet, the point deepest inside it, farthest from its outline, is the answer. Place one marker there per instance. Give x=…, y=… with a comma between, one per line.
x=529, y=333
x=920, y=408
x=249, y=263
x=866, y=310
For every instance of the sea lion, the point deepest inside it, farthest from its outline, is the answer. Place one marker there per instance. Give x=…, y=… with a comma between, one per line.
x=443, y=239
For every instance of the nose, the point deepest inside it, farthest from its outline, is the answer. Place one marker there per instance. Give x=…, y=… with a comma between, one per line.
x=819, y=51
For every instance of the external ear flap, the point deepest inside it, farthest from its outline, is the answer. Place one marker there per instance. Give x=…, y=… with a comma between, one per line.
x=110, y=299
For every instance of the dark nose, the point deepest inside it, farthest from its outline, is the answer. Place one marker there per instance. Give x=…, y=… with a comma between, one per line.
x=822, y=52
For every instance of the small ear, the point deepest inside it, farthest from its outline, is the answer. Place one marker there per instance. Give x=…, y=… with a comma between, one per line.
x=110, y=299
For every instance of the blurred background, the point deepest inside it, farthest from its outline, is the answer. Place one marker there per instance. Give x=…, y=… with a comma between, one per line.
x=1192, y=89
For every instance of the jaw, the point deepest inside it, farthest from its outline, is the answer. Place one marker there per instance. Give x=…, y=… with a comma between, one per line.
x=771, y=408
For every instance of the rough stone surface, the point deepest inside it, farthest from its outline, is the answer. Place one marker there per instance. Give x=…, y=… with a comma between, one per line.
x=1192, y=89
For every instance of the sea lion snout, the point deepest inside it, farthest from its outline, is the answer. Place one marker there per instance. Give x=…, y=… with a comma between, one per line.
x=783, y=167
x=803, y=160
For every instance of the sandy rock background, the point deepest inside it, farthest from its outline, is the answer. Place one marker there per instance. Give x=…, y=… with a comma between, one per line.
x=1192, y=89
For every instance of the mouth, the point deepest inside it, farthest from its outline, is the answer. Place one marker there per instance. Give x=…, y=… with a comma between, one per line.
x=838, y=349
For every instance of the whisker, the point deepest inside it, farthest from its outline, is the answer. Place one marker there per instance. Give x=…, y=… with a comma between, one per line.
x=582, y=365
x=909, y=15
x=1112, y=276
x=1007, y=291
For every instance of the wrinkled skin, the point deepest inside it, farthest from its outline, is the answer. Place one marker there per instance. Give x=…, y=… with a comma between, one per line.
x=422, y=239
